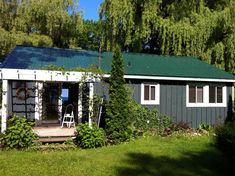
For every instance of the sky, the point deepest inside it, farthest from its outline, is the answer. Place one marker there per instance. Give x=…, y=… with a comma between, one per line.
x=90, y=9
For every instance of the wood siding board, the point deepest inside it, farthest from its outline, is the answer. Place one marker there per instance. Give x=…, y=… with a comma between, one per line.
x=188, y=115
x=193, y=118
x=174, y=102
x=213, y=115
x=137, y=92
x=168, y=100
x=218, y=115
x=184, y=108
x=179, y=103
x=199, y=117
x=203, y=114
x=163, y=99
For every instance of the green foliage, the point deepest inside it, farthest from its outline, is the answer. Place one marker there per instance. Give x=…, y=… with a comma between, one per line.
x=148, y=156
x=206, y=127
x=18, y=134
x=90, y=37
x=177, y=127
x=117, y=120
x=225, y=138
x=90, y=137
x=201, y=28
x=91, y=69
x=50, y=18
x=53, y=147
x=144, y=119
x=8, y=40
x=39, y=23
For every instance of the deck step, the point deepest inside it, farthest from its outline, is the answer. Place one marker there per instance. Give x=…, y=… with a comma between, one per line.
x=51, y=139
x=50, y=122
x=54, y=133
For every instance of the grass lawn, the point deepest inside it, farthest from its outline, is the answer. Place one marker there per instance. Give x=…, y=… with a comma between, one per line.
x=150, y=156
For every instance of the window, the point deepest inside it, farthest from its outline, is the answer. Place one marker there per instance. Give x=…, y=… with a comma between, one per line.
x=195, y=94
x=215, y=94
x=204, y=95
x=150, y=94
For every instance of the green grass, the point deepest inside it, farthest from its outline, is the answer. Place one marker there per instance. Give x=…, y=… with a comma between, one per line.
x=150, y=156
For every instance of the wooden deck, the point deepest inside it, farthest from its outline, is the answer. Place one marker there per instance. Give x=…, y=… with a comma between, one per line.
x=54, y=133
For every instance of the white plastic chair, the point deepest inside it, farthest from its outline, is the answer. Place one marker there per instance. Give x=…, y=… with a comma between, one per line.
x=68, y=117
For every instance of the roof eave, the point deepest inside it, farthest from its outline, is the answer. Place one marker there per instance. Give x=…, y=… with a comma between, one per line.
x=175, y=78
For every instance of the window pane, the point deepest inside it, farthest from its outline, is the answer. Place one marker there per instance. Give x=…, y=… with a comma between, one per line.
x=219, y=95
x=152, y=92
x=212, y=94
x=199, y=94
x=146, y=92
x=192, y=94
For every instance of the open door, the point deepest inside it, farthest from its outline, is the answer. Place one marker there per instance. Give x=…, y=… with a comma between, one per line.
x=51, y=99
x=69, y=95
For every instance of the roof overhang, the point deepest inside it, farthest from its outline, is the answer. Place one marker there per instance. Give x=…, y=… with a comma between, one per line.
x=70, y=76
x=46, y=75
x=175, y=78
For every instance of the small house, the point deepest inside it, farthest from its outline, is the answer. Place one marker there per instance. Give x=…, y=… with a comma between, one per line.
x=184, y=88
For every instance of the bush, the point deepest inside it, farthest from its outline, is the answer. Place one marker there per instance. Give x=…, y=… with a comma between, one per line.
x=225, y=138
x=87, y=137
x=117, y=116
x=205, y=128
x=180, y=126
x=147, y=120
x=19, y=133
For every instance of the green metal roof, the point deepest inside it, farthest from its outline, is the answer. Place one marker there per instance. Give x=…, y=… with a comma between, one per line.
x=25, y=57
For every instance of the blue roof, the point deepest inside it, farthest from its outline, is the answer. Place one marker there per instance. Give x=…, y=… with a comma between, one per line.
x=25, y=57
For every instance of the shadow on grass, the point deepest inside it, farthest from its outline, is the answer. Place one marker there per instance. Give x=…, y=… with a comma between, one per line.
x=207, y=163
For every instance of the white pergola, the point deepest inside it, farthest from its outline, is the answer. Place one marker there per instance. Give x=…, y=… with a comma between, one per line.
x=40, y=76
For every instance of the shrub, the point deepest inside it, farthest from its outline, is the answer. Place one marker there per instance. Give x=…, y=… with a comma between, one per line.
x=225, y=138
x=147, y=120
x=87, y=137
x=180, y=126
x=19, y=133
x=205, y=128
x=117, y=116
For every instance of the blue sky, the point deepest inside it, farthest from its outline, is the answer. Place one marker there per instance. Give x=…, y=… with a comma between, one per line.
x=90, y=8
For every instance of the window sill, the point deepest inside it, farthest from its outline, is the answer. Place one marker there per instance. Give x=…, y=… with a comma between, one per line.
x=150, y=103
x=206, y=105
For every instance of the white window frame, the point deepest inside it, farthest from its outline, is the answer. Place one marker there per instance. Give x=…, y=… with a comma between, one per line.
x=206, y=96
x=157, y=94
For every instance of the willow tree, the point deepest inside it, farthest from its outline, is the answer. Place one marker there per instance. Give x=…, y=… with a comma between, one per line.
x=39, y=23
x=60, y=20
x=128, y=22
x=176, y=27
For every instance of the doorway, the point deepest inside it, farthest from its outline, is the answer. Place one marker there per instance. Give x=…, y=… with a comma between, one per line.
x=69, y=95
x=51, y=101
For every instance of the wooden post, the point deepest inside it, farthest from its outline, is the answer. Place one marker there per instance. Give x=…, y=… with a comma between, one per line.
x=233, y=101
x=4, y=104
x=80, y=87
x=60, y=104
x=91, y=95
x=38, y=101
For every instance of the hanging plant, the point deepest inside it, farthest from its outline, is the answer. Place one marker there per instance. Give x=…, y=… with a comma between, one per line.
x=22, y=93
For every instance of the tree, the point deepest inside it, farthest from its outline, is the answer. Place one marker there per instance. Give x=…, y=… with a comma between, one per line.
x=117, y=120
x=39, y=23
x=172, y=27
x=90, y=37
x=60, y=20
